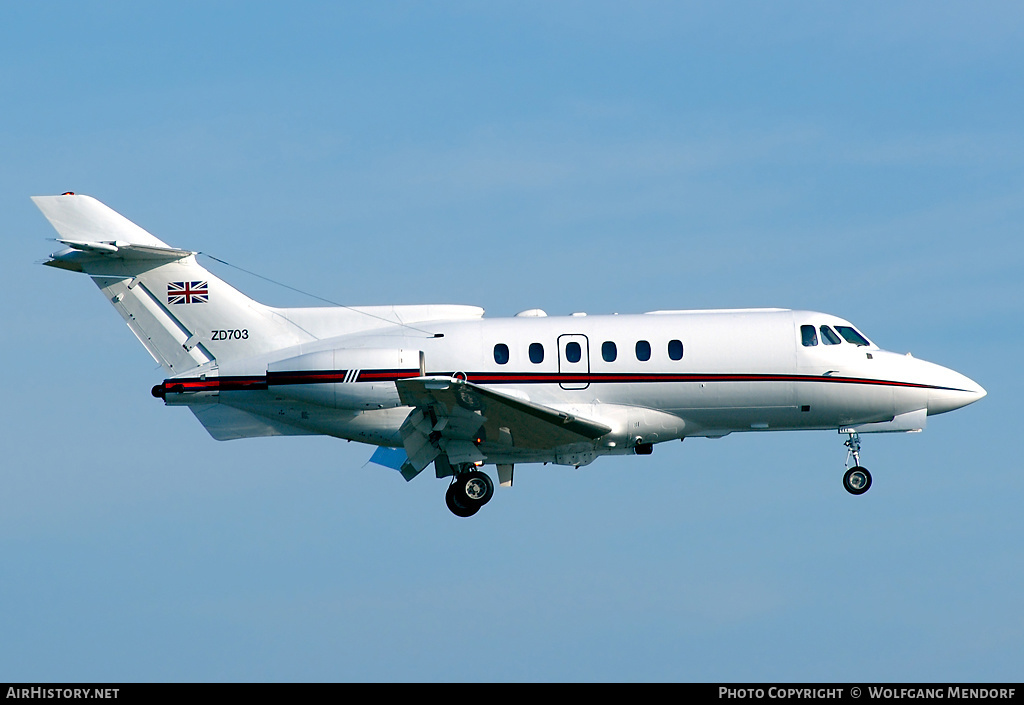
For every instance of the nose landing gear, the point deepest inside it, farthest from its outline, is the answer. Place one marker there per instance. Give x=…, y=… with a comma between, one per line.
x=857, y=479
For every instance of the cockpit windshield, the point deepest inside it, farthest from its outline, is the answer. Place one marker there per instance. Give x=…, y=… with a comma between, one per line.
x=809, y=336
x=850, y=335
x=829, y=336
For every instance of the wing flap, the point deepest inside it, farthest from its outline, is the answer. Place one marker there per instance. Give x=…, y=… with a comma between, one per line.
x=532, y=425
x=455, y=418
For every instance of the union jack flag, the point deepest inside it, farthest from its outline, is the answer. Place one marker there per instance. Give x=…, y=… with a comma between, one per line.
x=188, y=293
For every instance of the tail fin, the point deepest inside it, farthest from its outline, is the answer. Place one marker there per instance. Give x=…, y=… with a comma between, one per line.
x=184, y=315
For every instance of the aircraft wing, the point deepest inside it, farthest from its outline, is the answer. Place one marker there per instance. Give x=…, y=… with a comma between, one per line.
x=452, y=418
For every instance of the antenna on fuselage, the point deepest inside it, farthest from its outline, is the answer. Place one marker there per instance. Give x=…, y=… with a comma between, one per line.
x=320, y=298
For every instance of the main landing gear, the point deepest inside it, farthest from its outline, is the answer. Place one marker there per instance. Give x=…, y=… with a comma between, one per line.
x=470, y=490
x=857, y=479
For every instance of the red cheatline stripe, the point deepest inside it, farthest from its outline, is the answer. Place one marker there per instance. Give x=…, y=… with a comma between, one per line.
x=378, y=375
x=215, y=384
x=306, y=377
x=338, y=376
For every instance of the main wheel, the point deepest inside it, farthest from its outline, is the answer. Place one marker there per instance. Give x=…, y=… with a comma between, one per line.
x=455, y=506
x=857, y=480
x=470, y=491
x=476, y=486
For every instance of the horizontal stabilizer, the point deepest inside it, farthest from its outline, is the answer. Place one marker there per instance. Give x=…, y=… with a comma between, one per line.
x=127, y=250
x=94, y=233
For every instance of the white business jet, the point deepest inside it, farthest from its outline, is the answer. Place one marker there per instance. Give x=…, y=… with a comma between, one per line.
x=444, y=385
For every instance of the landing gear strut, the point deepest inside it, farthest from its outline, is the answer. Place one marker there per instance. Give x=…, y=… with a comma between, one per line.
x=470, y=490
x=857, y=479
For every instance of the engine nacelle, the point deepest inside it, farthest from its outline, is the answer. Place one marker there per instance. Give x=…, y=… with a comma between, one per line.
x=345, y=378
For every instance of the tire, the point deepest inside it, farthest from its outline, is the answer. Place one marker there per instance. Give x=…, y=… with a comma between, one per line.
x=470, y=491
x=455, y=506
x=857, y=480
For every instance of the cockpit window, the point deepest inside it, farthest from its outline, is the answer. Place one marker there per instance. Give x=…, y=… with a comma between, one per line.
x=852, y=336
x=829, y=337
x=808, y=336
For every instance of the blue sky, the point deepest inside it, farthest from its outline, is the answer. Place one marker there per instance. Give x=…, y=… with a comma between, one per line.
x=861, y=160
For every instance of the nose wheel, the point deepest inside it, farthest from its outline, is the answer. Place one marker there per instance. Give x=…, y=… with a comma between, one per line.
x=857, y=479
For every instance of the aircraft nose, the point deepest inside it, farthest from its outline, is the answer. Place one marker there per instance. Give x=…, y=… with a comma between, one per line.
x=952, y=390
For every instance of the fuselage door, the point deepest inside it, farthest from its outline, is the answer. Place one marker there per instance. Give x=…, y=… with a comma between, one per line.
x=574, y=361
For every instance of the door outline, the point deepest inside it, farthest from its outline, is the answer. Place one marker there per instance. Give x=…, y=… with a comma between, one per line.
x=581, y=367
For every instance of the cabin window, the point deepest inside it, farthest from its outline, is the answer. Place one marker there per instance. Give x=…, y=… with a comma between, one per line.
x=808, y=336
x=643, y=350
x=829, y=337
x=501, y=353
x=675, y=350
x=608, y=351
x=852, y=336
x=536, y=353
x=573, y=352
